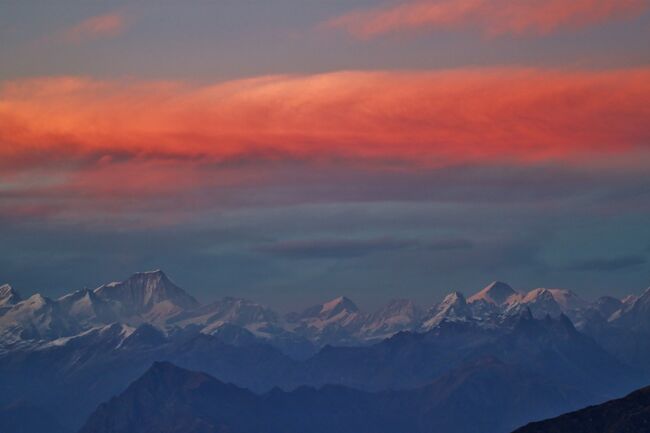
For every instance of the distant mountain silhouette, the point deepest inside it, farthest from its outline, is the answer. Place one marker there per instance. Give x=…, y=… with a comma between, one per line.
x=486, y=396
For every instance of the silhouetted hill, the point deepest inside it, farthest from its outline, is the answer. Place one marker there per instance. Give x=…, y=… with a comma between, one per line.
x=630, y=414
x=486, y=396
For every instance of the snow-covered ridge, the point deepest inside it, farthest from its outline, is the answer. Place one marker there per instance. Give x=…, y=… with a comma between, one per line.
x=152, y=298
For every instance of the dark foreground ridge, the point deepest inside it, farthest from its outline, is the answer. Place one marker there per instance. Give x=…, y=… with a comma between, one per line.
x=169, y=399
x=630, y=414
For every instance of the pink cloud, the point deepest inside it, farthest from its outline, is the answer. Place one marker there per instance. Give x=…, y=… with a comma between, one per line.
x=100, y=26
x=431, y=118
x=491, y=17
x=110, y=145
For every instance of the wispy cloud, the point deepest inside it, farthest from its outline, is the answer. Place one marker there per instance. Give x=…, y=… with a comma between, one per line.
x=609, y=264
x=334, y=248
x=100, y=26
x=352, y=248
x=112, y=144
x=491, y=17
x=421, y=118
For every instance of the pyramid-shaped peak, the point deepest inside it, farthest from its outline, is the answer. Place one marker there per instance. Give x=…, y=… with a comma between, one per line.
x=498, y=284
x=143, y=290
x=496, y=293
x=452, y=308
x=339, y=304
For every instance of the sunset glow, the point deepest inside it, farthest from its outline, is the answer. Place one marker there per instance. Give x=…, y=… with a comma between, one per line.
x=324, y=143
x=492, y=17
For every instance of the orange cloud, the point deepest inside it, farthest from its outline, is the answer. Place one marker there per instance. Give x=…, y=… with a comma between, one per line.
x=101, y=26
x=492, y=17
x=424, y=118
x=145, y=153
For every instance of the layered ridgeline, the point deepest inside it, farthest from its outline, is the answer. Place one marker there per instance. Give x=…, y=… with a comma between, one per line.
x=198, y=403
x=65, y=356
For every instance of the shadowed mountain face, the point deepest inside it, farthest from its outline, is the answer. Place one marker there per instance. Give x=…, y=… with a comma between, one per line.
x=630, y=414
x=168, y=399
x=150, y=295
x=106, y=360
x=68, y=355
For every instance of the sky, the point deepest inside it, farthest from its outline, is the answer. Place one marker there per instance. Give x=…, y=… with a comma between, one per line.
x=296, y=150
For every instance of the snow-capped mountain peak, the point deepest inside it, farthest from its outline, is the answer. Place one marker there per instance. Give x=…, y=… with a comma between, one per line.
x=397, y=315
x=333, y=322
x=236, y=311
x=543, y=301
x=452, y=308
x=496, y=293
x=338, y=305
x=540, y=301
x=567, y=299
x=147, y=293
x=35, y=318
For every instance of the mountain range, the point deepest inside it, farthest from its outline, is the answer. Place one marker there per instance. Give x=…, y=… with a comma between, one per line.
x=198, y=403
x=150, y=297
x=63, y=357
x=195, y=402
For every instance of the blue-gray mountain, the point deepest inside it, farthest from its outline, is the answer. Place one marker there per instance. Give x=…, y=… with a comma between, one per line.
x=198, y=403
x=66, y=356
x=630, y=414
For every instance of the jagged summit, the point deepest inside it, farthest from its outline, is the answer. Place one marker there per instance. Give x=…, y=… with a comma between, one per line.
x=327, y=310
x=8, y=295
x=337, y=305
x=453, y=298
x=496, y=293
x=452, y=308
x=143, y=291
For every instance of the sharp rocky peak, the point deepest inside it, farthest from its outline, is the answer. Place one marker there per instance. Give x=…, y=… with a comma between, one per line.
x=143, y=290
x=8, y=295
x=496, y=293
x=454, y=298
x=337, y=305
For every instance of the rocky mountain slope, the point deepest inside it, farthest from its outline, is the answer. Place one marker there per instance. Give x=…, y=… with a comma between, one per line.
x=630, y=414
